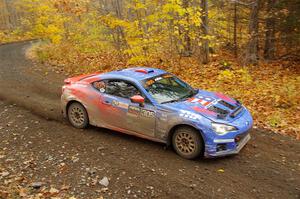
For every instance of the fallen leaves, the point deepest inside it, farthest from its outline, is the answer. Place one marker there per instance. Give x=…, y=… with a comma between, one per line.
x=4, y=174
x=221, y=170
x=23, y=192
x=4, y=194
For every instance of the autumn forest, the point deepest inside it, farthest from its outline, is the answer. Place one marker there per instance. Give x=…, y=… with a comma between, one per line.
x=248, y=49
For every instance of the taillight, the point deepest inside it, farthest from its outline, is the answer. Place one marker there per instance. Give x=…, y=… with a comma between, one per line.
x=63, y=89
x=67, y=81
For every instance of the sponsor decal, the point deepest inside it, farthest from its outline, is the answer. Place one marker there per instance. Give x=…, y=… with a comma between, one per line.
x=152, y=81
x=168, y=76
x=137, y=111
x=203, y=101
x=119, y=104
x=102, y=90
x=203, y=110
x=158, y=78
x=115, y=103
x=123, y=105
x=188, y=114
x=134, y=110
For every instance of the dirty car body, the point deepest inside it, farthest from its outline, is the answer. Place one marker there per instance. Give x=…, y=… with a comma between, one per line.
x=152, y=103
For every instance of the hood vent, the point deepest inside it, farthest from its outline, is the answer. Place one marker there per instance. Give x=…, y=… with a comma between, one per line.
x=221, y=112
x=226, y=104
x=236, y=112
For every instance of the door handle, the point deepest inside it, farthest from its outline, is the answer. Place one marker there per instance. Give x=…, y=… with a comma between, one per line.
x=106, y=102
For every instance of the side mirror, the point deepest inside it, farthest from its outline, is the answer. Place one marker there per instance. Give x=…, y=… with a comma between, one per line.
x=137, y=99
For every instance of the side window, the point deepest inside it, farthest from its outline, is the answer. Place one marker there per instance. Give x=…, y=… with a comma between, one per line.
x=121, y=89
x=100, y=85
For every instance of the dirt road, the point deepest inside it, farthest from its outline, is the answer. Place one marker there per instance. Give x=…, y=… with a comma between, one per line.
x=36, y=145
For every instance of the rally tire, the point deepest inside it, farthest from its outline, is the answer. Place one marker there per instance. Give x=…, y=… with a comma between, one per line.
x=77, y=115
x=187, y=142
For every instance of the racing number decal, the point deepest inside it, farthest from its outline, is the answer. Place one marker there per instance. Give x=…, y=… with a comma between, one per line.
x=133, y=110
x=147, y=113
x=140, y=111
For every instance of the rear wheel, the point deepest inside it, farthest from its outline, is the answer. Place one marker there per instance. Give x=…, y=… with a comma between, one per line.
x=187, y=142
x=78, y=116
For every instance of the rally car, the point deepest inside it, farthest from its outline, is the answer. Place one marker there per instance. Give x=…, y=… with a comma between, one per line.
x=156, y=105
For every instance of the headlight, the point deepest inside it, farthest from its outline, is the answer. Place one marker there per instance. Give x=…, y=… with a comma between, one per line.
x=222, y=129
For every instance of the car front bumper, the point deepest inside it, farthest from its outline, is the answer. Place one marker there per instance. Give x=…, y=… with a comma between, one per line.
x=230, y=143
x=232, y=147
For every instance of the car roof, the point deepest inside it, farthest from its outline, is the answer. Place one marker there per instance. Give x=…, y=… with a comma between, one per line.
x=135, y=73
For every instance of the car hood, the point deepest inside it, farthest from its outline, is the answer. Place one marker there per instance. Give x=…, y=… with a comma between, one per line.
x=212, y=105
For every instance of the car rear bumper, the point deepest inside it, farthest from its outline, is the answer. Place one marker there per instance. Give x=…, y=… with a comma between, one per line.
x=63, y=105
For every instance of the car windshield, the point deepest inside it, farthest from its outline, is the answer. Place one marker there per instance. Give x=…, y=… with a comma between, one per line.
x=168, y=88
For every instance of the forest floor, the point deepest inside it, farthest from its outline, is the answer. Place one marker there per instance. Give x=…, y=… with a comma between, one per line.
x=41, y=155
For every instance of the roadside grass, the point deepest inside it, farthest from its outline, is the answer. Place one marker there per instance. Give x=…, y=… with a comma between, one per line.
x=270, y=90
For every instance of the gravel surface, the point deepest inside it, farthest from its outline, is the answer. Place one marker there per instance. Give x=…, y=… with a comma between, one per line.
x=42, y=155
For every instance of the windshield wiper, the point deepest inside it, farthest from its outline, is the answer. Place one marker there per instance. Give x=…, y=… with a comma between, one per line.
x=191, y=94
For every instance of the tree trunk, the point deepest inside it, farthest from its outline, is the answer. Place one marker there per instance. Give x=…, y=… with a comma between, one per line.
x=252, y=48
x=187, y=46
x=235, y=30
x=120, y=36
x=269, y=51
x=204, y=19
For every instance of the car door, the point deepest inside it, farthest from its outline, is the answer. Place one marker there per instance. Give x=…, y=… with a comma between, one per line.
x=114, y=104
x=142, y=119
x=120, y=112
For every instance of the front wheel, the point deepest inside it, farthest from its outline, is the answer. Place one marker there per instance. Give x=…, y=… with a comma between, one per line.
x=187, y=142
x=78, y=116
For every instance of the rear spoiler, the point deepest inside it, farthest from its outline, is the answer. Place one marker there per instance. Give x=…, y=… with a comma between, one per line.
x=79, y=78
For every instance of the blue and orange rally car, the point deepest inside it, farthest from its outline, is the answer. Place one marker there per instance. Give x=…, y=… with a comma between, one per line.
x=156, y=105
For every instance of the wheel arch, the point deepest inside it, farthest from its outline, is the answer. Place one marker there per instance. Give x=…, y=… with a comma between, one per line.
x=173, y=129
x=75, y=101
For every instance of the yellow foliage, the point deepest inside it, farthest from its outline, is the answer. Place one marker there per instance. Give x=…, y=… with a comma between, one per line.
x=155, y=33
x=226, y=76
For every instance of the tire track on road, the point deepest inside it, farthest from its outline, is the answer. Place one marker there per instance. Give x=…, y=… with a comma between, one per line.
x=35, y=93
